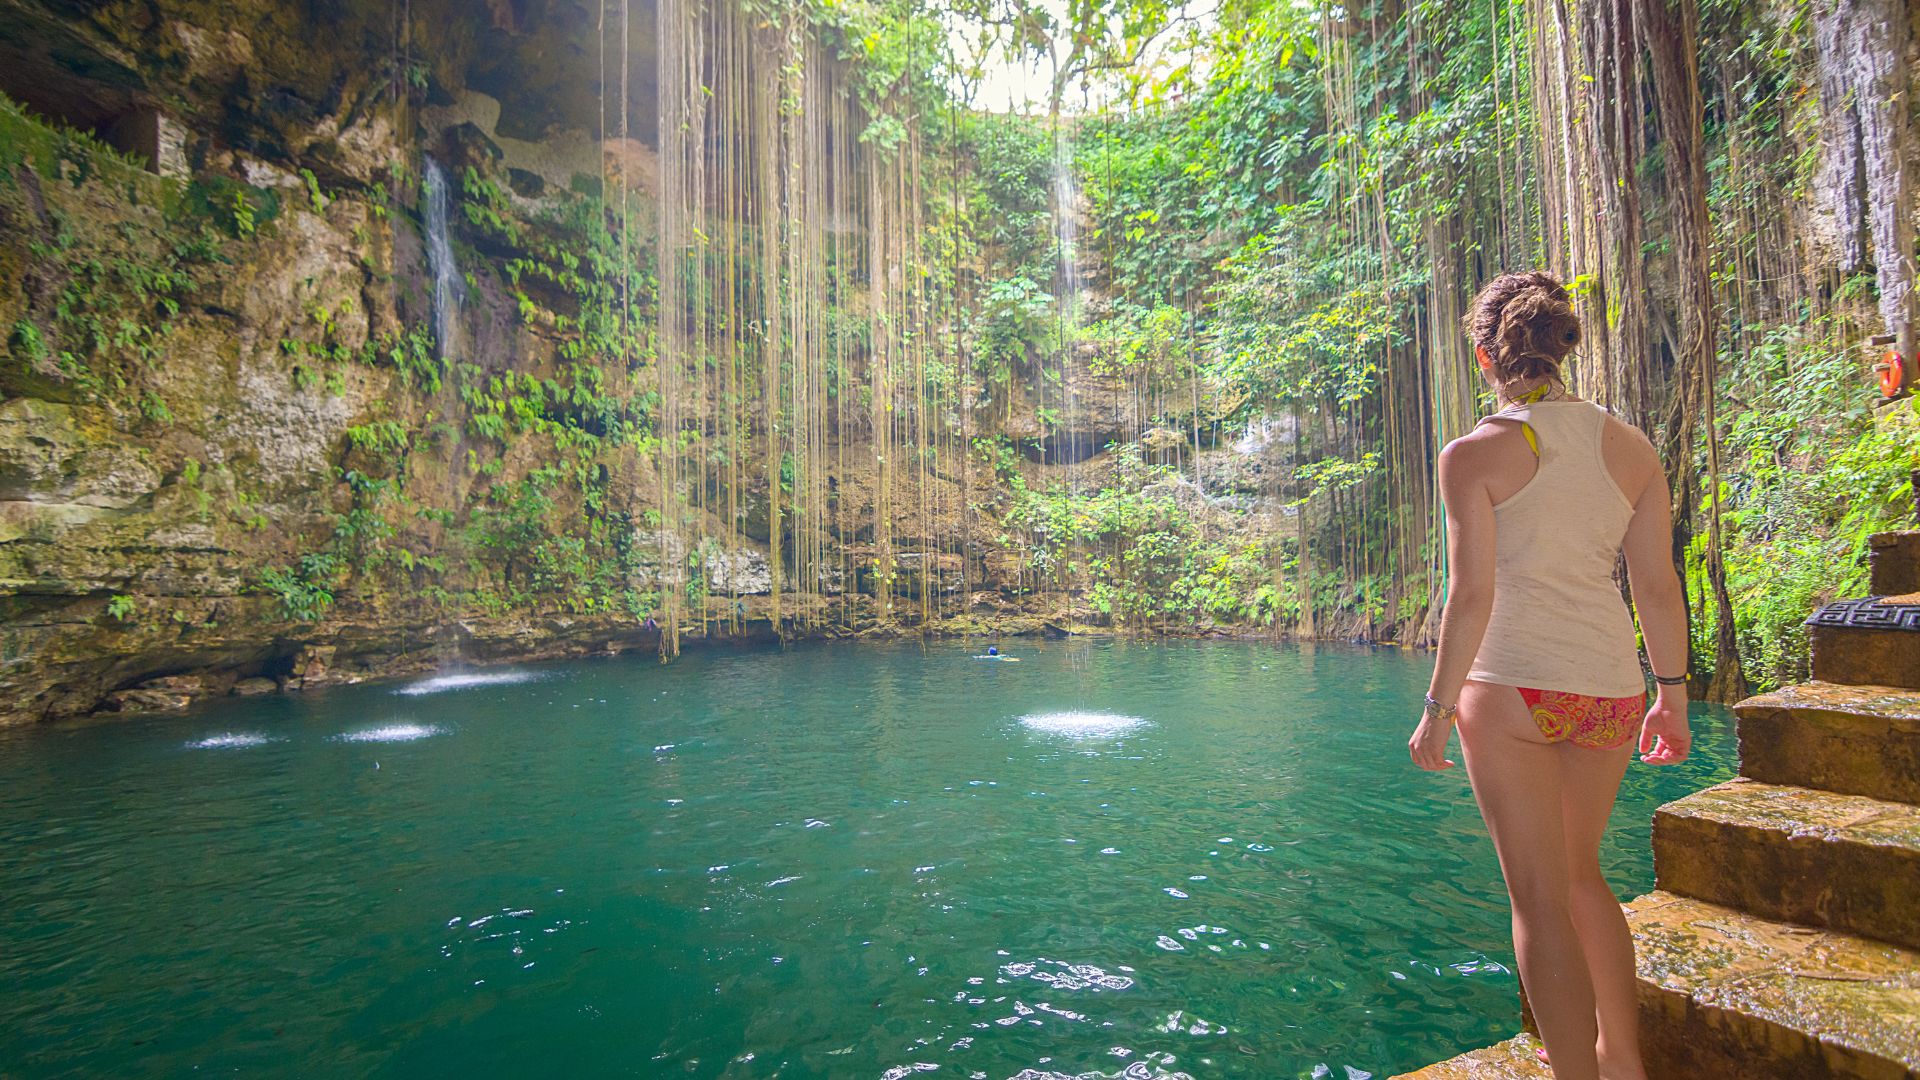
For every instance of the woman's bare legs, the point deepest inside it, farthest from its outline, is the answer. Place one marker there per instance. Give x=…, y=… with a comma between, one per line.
x=1588, y=783
x=1518, y=780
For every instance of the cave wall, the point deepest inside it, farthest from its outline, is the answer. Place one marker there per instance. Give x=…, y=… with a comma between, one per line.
x=234, y=457
x=198, y=341
x=231, y=457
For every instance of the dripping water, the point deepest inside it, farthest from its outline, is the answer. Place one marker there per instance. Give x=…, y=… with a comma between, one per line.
x=440, y=261
x=1066, y=234
x=446, y=285
x=1066, y=227
x=1066, y=231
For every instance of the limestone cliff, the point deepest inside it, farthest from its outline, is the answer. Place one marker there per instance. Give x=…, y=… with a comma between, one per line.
x=329, y=354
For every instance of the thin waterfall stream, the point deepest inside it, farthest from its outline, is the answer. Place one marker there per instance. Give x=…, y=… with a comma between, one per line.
x=1066, y=230
x=440, y=259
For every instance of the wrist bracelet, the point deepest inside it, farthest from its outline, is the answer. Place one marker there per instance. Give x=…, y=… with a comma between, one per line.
x=1677, y=680
x=1439, y=711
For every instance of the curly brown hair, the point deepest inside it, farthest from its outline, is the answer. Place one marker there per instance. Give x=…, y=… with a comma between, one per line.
x=1527, y=325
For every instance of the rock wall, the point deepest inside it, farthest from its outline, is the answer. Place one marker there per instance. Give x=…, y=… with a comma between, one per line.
x=235, y=458
x=228, y=451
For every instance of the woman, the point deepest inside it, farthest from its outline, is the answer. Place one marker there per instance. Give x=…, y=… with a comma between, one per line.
x=1538, y=662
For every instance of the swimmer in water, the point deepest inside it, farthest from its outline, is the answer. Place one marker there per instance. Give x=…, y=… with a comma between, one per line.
x=993, y=653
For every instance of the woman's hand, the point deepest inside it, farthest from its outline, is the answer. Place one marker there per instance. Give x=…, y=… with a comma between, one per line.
x=1428, y=747
x=1664, y=736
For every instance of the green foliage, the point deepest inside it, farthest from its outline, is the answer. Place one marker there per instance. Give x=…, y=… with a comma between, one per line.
x=1016, y=315
x=27, y=341
x=154, y=408
x=121, y=607
x=117, y=297
x=386, y=439
x=1139, y=554
x=58, y=152
x=314, y=198
x=305, y=589
x=110, y=285
x=1278, y=349
x=1807, y=484
x=241, y=216
x=586, y=565
x=409, y=351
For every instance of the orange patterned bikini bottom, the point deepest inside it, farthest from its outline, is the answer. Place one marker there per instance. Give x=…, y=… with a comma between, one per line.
x=1597, y=723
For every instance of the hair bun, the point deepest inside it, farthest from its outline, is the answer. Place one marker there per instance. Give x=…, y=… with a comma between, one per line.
x=1526, y=324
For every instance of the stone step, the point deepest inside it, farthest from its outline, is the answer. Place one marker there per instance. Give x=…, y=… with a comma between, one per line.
x=1858, y=740
x=1510, y=1060
x=1727, y=994
x=1870, y=642
x=1893, y=563
x=1795, y=854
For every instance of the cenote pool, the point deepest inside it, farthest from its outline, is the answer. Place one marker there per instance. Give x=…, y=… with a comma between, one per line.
x=825, y=861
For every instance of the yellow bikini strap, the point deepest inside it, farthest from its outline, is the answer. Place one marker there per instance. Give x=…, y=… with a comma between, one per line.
x=1531, y=397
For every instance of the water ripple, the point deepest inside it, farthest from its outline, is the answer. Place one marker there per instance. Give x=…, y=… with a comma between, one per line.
x=1147, y=1068
x=1062, y=975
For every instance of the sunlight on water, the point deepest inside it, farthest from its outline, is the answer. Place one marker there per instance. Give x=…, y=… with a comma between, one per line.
x=231, y=741
x=442, y=683
x=1140, y=1070
x=392, y=733
x=1082, y=725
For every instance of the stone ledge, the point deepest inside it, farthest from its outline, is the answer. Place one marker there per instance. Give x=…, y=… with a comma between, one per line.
x=1510, y=1060
x=1728, y=994
x=1815, y=857
x=1844, y=708
x=1866, y=643
x=1893, y=559
x=1859, y=740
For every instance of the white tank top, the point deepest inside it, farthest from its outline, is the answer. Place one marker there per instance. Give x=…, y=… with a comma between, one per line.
x=1559, y=621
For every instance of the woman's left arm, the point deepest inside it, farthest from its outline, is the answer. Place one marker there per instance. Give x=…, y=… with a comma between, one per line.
x=1470, y=525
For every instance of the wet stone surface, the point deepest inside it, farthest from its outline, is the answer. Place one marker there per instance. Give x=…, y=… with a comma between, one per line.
x=1510, y=1060
x=1724, y=993
x=1795, y=854
x=1862, y=740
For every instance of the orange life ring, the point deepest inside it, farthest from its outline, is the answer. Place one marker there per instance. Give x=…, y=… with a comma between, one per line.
x=1893, y=374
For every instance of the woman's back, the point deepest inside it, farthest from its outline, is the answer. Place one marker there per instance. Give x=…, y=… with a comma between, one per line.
x=1559, y=621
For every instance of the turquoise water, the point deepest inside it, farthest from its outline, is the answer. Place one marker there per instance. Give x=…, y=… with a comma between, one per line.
x=828, y=861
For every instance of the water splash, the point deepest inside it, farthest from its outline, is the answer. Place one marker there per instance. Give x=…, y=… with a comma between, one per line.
x=1076, y=724
x=392, y=733
x=232, y=740
x=442, y=683
x=440, y=260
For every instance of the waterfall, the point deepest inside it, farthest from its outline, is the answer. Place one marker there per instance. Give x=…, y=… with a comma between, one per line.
x=1066, y=233
x=1066, y=225
x=446, y=275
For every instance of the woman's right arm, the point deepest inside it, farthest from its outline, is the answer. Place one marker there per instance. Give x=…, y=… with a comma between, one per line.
x=1657, y=599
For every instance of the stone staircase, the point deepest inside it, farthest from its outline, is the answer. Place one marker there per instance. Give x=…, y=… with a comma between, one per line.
x=1782, y=941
